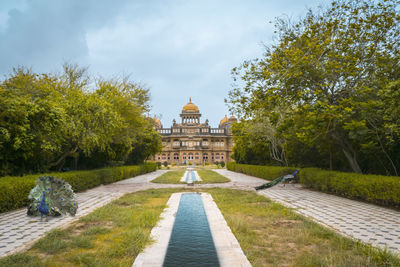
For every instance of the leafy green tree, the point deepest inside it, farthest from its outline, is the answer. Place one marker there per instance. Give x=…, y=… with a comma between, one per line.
x=49, y=121
x=30, y=119
x=327, y=68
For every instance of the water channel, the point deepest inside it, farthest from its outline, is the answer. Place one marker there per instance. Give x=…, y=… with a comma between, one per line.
x=191, y=242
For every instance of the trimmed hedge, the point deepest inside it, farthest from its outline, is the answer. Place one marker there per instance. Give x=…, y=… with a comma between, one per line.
x=264, y=172
x=15, y=190
x=377, y=189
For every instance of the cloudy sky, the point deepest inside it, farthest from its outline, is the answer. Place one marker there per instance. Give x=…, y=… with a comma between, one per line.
x=178, y=49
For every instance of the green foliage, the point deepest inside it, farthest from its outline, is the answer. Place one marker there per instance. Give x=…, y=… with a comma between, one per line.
x=48, y=121
x=15, y=190
x=265, y=172
x=327, y=89
x=165, y=164
x=211, y=177
x=21, y=259
x=378, y=189
x=170, y=177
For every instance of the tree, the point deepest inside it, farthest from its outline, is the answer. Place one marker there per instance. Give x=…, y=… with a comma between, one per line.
x=48, y=120
x=324, y=67
x=30, y=119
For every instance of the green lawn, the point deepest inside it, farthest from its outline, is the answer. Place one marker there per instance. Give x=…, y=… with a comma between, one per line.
x=269, y=234
x=171, y=177
x=207, y=176
x=211, y=177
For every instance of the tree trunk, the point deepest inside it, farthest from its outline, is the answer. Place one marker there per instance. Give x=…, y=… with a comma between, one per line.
x=76, y=158
x=63, y=157
x=349, y=153
x=352, y=161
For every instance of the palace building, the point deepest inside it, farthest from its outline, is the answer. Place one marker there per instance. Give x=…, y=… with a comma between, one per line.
x=193, y=141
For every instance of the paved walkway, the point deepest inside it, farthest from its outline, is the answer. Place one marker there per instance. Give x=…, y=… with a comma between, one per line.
x=366, y=222
x=18, y=231
x=369, y=223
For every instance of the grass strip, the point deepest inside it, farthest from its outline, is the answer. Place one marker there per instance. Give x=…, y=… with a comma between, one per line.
x=211, y=177
x=273, y=235
x=269, y=234
x=207, y=176
x=171, y=177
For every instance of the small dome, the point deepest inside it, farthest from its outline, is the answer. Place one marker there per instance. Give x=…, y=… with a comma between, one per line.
x=224, y=120
x=190, y=107
x=157, y=121
x=232, y=118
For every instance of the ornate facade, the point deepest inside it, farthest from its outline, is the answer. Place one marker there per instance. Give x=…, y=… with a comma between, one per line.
x=193, y=141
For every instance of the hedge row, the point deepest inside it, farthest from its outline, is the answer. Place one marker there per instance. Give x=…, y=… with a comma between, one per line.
x=15, y=190
x=265, y=172
x=377, y=189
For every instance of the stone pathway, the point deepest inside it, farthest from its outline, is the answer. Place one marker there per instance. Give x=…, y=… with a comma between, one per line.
x=369, y=223
x=18, y=231
x=366, y=222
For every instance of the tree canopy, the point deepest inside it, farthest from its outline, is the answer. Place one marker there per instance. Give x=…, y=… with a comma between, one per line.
x=70, y=120
x=326, y=93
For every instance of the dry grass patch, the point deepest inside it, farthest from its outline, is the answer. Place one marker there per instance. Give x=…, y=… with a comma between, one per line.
x=273, y=235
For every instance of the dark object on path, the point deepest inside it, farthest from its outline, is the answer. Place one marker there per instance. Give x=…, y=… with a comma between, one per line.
x=52, y=197
x=285, y=178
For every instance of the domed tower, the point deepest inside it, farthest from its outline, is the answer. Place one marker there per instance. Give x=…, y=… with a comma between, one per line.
x=157, y=122
x=190, y=114
x=223, y=122
x=227, y=122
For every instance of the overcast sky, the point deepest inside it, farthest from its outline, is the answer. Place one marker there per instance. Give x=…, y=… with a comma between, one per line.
x=179, y=49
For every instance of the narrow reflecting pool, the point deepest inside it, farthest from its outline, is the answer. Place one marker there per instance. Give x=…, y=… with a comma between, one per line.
x=191, y=242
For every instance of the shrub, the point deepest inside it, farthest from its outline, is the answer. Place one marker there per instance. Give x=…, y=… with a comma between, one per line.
x=206, y=163
x=173, y=163
x=265, y=172
x=222, y=164
x=165, y=164
x=190, y=164
x=378, y=189
x=158, y=164
x=15, y=190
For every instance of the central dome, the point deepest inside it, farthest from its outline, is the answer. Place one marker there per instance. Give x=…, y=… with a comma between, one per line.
x=190, y=107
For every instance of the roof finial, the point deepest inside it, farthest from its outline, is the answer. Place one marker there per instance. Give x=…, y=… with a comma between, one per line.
x=190, y=100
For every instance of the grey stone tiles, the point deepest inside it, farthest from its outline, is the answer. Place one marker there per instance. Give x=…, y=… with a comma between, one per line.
x=368, y=223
